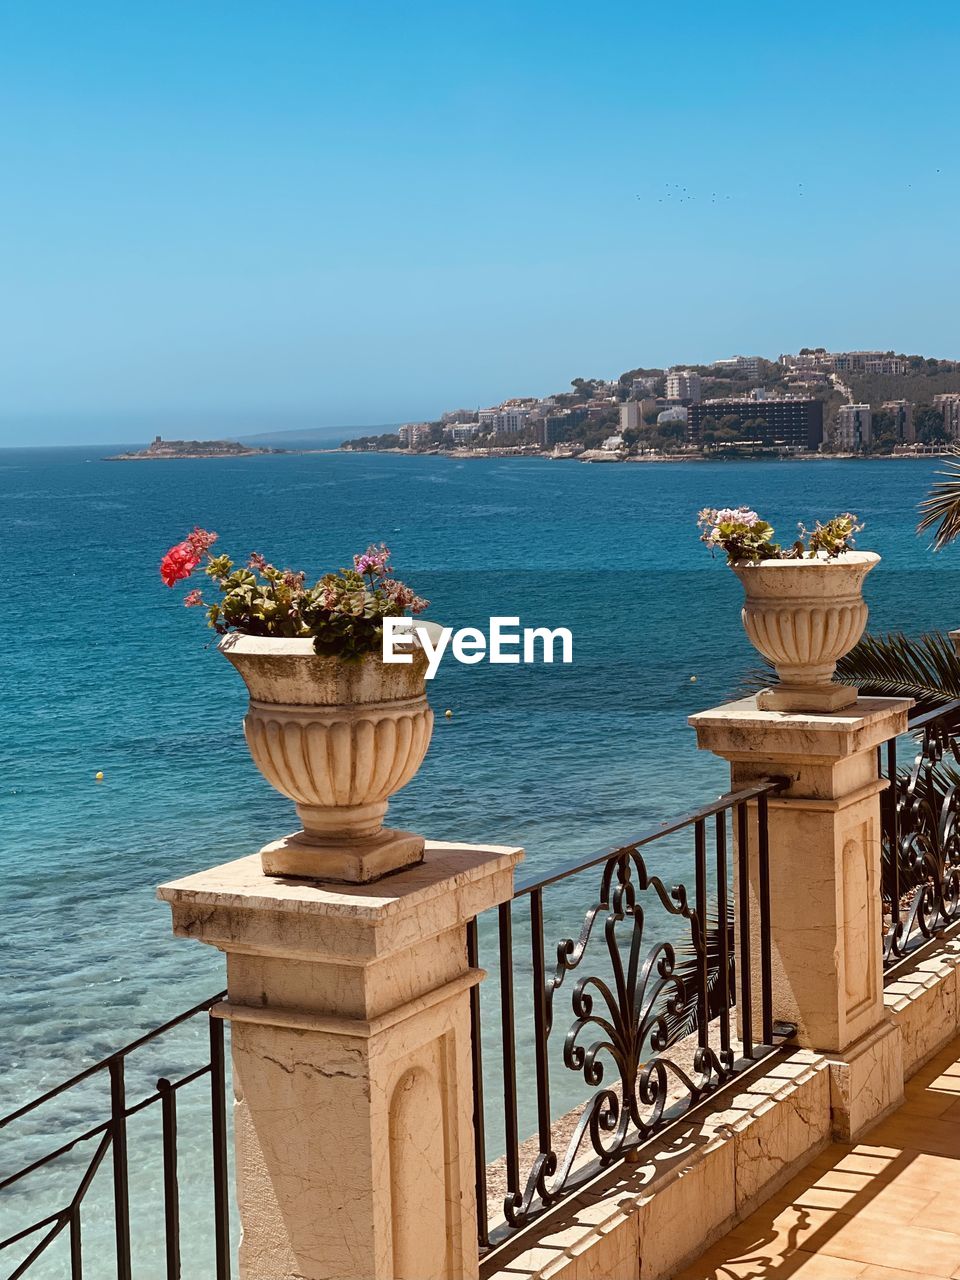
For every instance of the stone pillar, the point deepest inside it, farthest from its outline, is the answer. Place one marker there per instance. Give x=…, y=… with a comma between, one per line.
x=350, y=1031
x=825, y=866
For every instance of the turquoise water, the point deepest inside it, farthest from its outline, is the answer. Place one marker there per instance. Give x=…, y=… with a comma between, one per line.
x=104, y=670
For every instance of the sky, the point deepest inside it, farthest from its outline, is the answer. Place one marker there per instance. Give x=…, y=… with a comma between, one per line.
x=229, y=215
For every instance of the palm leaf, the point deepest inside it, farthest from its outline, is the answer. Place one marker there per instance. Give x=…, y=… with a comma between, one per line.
x=687, y=971
x=925, y=668
x=941, y=507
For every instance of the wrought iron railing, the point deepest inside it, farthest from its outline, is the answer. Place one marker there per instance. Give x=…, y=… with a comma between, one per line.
x=921, y=836
x=657, y=1013
x=65, y=1151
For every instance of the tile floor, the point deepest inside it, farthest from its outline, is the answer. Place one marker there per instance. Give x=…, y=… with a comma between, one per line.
x=887, y=1208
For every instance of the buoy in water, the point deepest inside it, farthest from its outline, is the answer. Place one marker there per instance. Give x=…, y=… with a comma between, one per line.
x=99, y=775
x=448, y=713
x=693, y=679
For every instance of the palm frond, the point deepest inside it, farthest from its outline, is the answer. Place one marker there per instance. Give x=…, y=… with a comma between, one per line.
x=925, y=668
x=687, y=971
x=941, y=507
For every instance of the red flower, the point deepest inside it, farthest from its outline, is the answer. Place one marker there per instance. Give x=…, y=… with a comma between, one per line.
x=179, y=562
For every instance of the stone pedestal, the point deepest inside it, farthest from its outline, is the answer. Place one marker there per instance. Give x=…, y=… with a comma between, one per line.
x=825, y=903
x=350, y=1033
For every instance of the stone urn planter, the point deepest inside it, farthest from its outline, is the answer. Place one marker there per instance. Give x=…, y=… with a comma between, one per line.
x=804, y=615
x=338, y=738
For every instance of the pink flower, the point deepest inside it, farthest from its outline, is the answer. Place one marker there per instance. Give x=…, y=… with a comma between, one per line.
x=193, y=598
x=402, y=595
x=373, y=560
x=200, y=542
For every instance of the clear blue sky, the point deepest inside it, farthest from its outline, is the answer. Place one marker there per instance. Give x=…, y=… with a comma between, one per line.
x=255, y=214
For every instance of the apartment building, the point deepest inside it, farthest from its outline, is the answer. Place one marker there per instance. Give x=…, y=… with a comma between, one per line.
x=683, y=384
x=504, y=420
x=949, y=406
x=749, y=365
x=881, y=362
x=788, y=423
x=412, y=433
x=868, y=362
x=633, y=412
x=854, y=427
x=460, y=433
x=902, y=411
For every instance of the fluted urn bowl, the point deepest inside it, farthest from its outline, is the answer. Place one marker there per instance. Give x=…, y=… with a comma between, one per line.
x=338, y=738
x=805, y=615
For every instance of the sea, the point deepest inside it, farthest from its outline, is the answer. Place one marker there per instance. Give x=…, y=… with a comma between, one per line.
x=105, y=672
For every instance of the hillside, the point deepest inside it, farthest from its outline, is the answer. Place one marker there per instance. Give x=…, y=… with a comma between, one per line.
x=917, y=386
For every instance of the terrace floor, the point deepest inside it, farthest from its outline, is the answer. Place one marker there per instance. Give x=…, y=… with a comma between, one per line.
x=887, y=1208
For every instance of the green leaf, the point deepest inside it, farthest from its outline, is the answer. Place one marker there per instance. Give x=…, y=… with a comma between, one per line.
x=925, y=668
x=941, y=507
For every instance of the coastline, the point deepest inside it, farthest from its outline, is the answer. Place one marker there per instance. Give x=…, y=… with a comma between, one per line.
x=187, y=457
x=487, y=454
x=246, y=453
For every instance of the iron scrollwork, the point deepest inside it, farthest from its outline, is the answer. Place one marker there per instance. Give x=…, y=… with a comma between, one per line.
x=922, y=841
x=628, y=1023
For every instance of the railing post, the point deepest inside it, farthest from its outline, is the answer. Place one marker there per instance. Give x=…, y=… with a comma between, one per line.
x=350, y=1038
x=824, y=908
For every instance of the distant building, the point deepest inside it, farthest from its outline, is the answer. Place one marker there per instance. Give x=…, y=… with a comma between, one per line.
x=504, y=420
x=512, y=421
x=749, y=365
x=612, y=443
x=413, y=433
x=459, y=415
x=868, y=362
x=889, y=366
x=949, y=406
x=549, y=431
x=683, y=384
x=552, y=429
x=633, y=412
x=631, y=419
x=881, y=362
x=854, y=428
x=902, y=411
x=789, y=423
x=819, y=360
x=644, y=386
x=676, y=414
x=460, y=432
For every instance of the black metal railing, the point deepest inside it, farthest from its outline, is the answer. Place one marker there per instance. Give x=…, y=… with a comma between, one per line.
x=62, y=1139
x=921, y=837
x=642, y=997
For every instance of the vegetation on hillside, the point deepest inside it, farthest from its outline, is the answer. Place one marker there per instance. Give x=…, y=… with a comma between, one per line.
x=918, y=385
x=389, y=440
